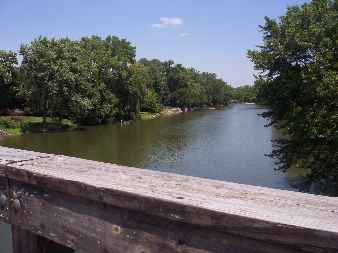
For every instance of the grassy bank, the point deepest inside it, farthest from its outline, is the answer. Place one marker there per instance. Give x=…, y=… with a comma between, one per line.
x=17, y=125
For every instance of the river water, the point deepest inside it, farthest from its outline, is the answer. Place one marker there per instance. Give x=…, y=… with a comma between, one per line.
x=227, y=145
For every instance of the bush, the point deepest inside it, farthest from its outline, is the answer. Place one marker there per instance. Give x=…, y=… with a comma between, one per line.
x=151, y=102
x=8, y=122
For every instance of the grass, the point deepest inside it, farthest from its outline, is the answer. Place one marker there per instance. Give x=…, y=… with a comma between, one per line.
x=17, y=125
x=12, y=131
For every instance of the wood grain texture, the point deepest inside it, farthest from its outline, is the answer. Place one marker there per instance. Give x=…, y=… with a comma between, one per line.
x=25, y=241
x=4, y=191
x=292, y=220
x=92, y=226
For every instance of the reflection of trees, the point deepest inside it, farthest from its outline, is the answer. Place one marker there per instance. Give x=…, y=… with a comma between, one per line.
x=138, y=144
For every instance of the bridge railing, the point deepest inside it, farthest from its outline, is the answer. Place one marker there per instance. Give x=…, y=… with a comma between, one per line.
x=61, y=204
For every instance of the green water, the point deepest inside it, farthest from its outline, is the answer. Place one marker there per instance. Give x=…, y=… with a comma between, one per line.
x=226, y=145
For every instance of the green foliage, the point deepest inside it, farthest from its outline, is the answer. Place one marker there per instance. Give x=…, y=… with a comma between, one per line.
x=158, y=78
x=299, y=81
x=245, y=93
x=7, y=79
x=17, y=125
x=93, y=80
x=151, y=102
x=136, y=87
x=75, y=79
x=8, y=123
x=186, y=87
x=215, y=91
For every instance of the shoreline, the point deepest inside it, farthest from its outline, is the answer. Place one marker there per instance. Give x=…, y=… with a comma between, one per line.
x=170, y=111
x=165, y=112
x=4, y=134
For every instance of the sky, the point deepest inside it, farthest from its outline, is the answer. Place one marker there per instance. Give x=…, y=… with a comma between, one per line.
x=209, y=35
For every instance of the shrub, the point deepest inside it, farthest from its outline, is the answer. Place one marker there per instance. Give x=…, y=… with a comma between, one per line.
x=151, y=102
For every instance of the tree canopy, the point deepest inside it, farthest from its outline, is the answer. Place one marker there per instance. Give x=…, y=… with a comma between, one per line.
x=299, y=82
x=95, y=79
x=8, y=90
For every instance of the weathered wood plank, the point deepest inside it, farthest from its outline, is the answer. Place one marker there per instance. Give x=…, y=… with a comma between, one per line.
x=3, y=199
x=96, y=227
x=24, y=241
x=27, y=242
x=295, y=220
x=9, y=155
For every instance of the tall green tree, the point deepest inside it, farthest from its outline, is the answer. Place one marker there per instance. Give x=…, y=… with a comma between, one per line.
x=107, y=62
x=158, y=78
x=245, y=93
x=8, y=89
x=215, y=90
x=40, y=72
x=299, y=81
x=136, y=87
x=79, y=80
x=151, y=102
x=95, y=79
x=177, y=85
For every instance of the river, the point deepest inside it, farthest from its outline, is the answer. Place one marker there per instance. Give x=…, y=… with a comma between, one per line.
x=227, y=145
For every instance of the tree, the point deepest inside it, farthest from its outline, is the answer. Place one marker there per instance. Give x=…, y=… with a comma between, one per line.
x=177, y=85
x=158, y=78
x=217, y=92
x=299, y=81
x=8, y=89
x=39, y=68
x=93, y=79
x=135, y=89
x=245, y=93
x=187, y=91
x=107, y=63
x=79, y=80
x=151, y=102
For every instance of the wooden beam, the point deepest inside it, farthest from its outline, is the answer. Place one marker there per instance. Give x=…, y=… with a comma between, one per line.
x=27, y=242
x=96, y=227
x=108, y=208
x=4, y=192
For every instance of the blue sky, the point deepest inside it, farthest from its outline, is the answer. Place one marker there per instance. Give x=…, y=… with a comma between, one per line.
x=210, y=35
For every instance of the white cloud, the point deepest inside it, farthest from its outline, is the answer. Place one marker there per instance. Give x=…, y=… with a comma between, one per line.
x=168, y=22
x=184, y=35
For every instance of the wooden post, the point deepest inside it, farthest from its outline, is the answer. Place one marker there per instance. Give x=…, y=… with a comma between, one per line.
x=27, y=242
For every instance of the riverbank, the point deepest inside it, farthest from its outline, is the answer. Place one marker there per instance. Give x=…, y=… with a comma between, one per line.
x=3, y=134
x=167, y=111
x=17, y=125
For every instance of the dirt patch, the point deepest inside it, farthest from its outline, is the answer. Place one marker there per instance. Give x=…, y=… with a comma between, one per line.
x=171, y=111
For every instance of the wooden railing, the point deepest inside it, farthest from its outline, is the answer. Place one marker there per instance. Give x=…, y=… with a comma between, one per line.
x=61, y=204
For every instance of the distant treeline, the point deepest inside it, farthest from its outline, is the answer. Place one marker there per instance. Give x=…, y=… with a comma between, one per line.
x=245, y=93
x=92, y=80
x=299, y=82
